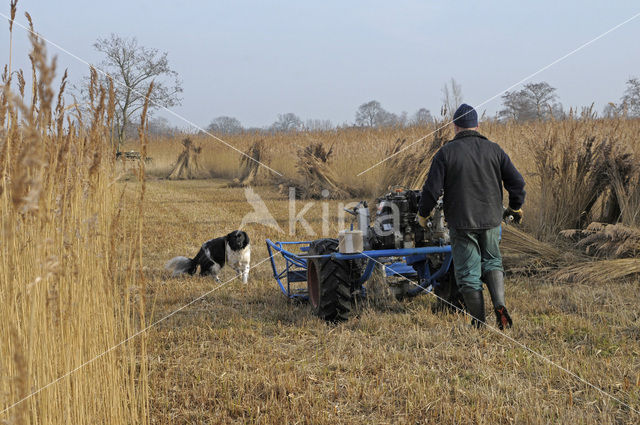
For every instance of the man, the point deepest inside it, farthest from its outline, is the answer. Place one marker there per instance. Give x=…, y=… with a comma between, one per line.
x=471, y=170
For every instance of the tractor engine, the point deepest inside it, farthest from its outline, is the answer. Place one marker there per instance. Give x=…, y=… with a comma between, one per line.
x=395, y=224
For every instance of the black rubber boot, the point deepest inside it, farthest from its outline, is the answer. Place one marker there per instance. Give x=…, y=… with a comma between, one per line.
x=502, y=317
x=494, y=280
x=474, y=301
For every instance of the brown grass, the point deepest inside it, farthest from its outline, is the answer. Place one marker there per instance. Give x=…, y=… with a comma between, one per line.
x=617, y=243
x=68, y=285
x=523, y=253
x=627, y=190
x=409, y=162
x=246, y=355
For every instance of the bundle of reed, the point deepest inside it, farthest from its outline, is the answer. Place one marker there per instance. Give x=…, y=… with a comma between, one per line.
x=572, y=177
x=187, y=166
x=523, y=253
x=606, y=240
x=250, y=165
x=409, y=165
x=598, y=271
x=317, y=180
x=627, y=193
x=313, y=166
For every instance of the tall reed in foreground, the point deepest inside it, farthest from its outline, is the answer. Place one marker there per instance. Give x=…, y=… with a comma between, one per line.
x=68, y=261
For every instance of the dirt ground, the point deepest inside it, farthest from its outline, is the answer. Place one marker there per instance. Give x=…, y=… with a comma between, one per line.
x=244, y=354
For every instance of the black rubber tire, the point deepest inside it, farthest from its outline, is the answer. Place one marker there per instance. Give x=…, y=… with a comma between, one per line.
x=328, y=282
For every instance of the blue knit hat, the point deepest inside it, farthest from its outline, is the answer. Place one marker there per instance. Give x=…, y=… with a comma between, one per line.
x=465, y=116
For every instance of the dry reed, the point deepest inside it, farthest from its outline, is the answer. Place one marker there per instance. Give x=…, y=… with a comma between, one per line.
x=599, y=271
x=409, y=169
x=315, y=179
x=250, y=165
x=67, y=265
x=187, y=165
x=525, y=254
x=607, y=240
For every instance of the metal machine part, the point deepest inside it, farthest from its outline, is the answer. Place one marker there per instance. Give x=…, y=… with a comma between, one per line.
x=395, y=225
x=414, y=259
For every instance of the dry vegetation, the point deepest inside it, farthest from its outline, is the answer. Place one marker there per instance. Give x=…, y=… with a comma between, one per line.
x=595, y=159
x=80, y=274
x=69, y=263
x=187, y=166
x=596, y=162
x=244, y=354
x=248, y=355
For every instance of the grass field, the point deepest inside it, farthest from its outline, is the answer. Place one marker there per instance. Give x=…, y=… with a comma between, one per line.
x=243, y=354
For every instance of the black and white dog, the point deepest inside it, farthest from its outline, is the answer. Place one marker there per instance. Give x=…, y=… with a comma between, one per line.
x=233, y=249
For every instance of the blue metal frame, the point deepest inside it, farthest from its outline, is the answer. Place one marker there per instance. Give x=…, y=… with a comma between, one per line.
x=415, y=264
x=295, y=269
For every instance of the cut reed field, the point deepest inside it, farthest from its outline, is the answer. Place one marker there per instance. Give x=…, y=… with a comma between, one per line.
x=244, y=354
x=70, y=274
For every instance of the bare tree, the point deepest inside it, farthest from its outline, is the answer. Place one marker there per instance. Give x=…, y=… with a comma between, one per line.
x=401, y=120
x=516, y=106
x=533, y=101
x=631, y=98
x=318, y=125
x=225, y=125
x=389, y=119
x=542, y=95
x=422, y=117
x=160, y=126
x=451, y=97
x=134, y=67
x=287, y=122
x=370, y=114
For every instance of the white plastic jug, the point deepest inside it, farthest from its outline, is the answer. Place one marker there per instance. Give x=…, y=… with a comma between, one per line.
x=350, y=241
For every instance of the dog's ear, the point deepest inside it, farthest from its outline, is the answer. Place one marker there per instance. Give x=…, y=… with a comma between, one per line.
x=230, y=236
x=246, y=239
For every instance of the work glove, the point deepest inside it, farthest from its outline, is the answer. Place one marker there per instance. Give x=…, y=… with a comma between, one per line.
x=422, y=221
x=513, y=215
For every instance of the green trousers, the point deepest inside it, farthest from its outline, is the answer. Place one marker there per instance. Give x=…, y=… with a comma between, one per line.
x=475, y=252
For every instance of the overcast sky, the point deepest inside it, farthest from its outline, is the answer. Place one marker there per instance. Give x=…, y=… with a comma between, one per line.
x=255, y=59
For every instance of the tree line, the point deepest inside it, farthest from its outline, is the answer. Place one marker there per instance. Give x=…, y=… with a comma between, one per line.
x=369, y=114
x=136, y=67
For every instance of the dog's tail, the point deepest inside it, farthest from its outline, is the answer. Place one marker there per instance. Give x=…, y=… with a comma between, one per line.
x=180, y=265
